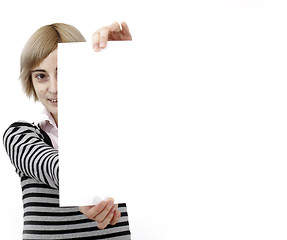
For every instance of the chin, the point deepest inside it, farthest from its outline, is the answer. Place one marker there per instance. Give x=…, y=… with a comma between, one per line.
x=53, y=110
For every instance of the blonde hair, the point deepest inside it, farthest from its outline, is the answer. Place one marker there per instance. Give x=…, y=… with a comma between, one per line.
x=44, y=41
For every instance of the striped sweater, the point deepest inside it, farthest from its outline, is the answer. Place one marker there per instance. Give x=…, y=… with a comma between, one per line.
x=36, y=162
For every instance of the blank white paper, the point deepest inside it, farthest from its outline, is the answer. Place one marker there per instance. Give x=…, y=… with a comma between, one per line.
x=196, y=133
x=122, y=126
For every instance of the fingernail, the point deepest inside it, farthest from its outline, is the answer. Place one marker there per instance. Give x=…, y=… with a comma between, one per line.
x=102, y=45
x=96, y=48
x=110, y=201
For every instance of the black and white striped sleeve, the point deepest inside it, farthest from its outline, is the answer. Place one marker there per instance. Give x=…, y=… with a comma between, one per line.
x=30, y=155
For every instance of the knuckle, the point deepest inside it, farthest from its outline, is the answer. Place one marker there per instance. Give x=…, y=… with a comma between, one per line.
x=99, y=219
x=104, y=30
x=88, y=214
x=104, y=37
x=100, y=206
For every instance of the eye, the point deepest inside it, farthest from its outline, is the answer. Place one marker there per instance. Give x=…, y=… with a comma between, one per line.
x=40, y=76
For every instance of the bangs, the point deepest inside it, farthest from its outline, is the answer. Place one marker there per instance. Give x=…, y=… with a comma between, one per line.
x=39, y=46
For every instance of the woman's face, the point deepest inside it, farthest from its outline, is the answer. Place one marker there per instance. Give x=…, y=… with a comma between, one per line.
x=44, y=78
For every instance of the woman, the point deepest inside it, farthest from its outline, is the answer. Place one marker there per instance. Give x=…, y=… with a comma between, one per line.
x=33, y=148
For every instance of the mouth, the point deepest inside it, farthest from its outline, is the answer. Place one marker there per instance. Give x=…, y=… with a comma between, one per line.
x=54, y=101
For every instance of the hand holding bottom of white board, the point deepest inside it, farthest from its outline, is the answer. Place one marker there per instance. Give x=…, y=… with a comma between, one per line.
x=104, y=213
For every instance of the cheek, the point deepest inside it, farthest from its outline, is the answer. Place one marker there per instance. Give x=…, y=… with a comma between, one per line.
x=38, y=90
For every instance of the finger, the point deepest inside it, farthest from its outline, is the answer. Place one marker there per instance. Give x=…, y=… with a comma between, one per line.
x=96, y=39
x=108, y=218
x=105, y=212
x=104, y=37
x=105, y=223
x=125, y=27
x=92, y=211
x=116, y=217
x=126, y=30
x=102, y=225
x=84, y=209
x=115, y=27
x=96, y=210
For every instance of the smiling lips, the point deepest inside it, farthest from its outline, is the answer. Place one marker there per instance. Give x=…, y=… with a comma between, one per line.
x=53, y=100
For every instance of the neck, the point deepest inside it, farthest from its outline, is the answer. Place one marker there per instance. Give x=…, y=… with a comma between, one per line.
x=55, y=116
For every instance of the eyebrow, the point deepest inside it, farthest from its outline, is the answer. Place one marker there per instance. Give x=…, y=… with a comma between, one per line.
x=41, y=70
x=38, y=70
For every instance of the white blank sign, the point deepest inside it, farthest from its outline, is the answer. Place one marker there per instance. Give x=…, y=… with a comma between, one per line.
x=194, y=137
x=118, y=126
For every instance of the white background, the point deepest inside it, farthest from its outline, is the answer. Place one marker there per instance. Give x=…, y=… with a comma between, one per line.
x=243, y=31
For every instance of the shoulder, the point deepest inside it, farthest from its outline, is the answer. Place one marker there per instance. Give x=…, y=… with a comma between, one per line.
x=22, y=128
x=22, y=125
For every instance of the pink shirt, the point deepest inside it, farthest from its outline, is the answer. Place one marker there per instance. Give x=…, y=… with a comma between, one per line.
x=47, y=123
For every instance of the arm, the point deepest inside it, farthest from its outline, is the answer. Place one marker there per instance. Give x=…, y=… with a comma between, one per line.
x=30, y=155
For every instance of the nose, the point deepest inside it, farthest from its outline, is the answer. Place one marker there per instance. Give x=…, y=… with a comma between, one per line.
x=53, y=88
